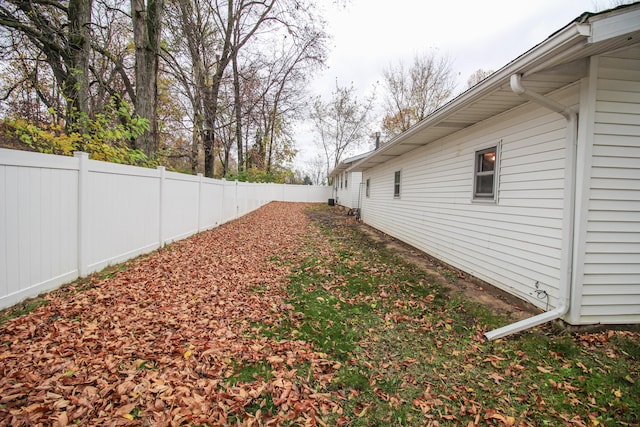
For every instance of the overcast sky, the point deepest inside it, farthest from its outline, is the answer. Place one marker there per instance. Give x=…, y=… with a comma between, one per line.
x=368, y=35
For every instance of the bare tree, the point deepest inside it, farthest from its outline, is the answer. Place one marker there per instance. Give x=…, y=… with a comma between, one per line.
x=342, y=123
x=411, y=93
x=316, y=170
x=190, y=58
x=284, y=70
x=112, y=64
x=214, y=32
x=478, y=76
x=223, y=71
x=60, y=31
x=237, y=24
x=29, y=91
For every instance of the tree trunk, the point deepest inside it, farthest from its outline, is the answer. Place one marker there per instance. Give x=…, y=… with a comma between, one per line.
x=191, y=25
x=146, y=36
x=209, y=152
x=225, y=162
x=79, y=45
x=211, y=101
x=209, y=139
x=237, y=104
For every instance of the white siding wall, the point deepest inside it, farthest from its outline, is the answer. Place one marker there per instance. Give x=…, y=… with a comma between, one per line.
x=610, y=267
x=64, y=217
x=354, y=187
x=342, y=192
x=348, y=195
x=511, y=244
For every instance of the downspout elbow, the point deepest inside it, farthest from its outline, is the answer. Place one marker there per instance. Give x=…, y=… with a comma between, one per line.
x=518, y=88
x=565, y=288
x=516, y=84
x=528, y=323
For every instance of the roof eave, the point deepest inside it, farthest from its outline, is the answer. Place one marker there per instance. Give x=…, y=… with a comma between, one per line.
x=542, y=56
x=346, y=163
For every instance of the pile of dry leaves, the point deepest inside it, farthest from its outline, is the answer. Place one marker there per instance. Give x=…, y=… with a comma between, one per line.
x=157, y=343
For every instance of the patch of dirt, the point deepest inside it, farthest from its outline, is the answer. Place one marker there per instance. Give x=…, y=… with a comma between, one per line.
x=454, y=279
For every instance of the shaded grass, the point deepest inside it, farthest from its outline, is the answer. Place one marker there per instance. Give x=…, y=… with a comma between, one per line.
x=22, y=308
x=248, y=373
x=414, y=353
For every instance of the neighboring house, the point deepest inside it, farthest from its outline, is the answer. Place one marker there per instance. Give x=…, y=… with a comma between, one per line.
x=530, y=180
x=347, y=185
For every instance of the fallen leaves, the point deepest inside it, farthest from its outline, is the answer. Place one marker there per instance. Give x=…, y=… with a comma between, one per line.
x=506, y=420
x=158, y=342
x=203, y=332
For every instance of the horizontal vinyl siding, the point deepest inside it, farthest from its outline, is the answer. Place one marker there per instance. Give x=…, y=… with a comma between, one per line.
x=611, y=276
x=348, y=195
x=343, y=196
x=511, y=244
x=355, y=178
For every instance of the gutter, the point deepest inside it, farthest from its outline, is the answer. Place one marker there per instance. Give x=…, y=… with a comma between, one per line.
x=566, y=268
x=542, y=56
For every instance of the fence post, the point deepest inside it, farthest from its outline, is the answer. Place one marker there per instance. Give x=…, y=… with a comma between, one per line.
x=161, y=170
x=83, y=203
x=199, y=203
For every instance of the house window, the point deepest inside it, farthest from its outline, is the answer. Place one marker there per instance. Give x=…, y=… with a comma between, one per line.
x=396, y=184
x=340, y=181
x=346, y=180
x=484, y=185
x=367, y=187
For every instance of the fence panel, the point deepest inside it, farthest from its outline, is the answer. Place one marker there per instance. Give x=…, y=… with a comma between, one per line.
x=180, y=206
x=121, y=207
x=229, y=200
x=305, y=193
x=66, y=217
x=38, y=217
x=211, y=215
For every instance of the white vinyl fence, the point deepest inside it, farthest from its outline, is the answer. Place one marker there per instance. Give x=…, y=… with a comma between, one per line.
x=65, y=217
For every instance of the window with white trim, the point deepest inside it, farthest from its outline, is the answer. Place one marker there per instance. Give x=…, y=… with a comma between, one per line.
x=485, y=174
x=396, y=184
x=368, y=187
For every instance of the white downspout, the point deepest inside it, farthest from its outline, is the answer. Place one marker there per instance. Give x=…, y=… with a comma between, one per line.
x=566, y=268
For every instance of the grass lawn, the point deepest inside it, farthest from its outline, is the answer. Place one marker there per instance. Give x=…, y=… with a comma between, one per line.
x=412, y=353
x=293, y=318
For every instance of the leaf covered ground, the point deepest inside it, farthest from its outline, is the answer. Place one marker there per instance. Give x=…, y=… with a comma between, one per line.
x=280, y=319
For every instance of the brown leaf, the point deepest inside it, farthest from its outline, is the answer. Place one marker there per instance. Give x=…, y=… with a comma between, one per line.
x=63, y=419
x=126, y=409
